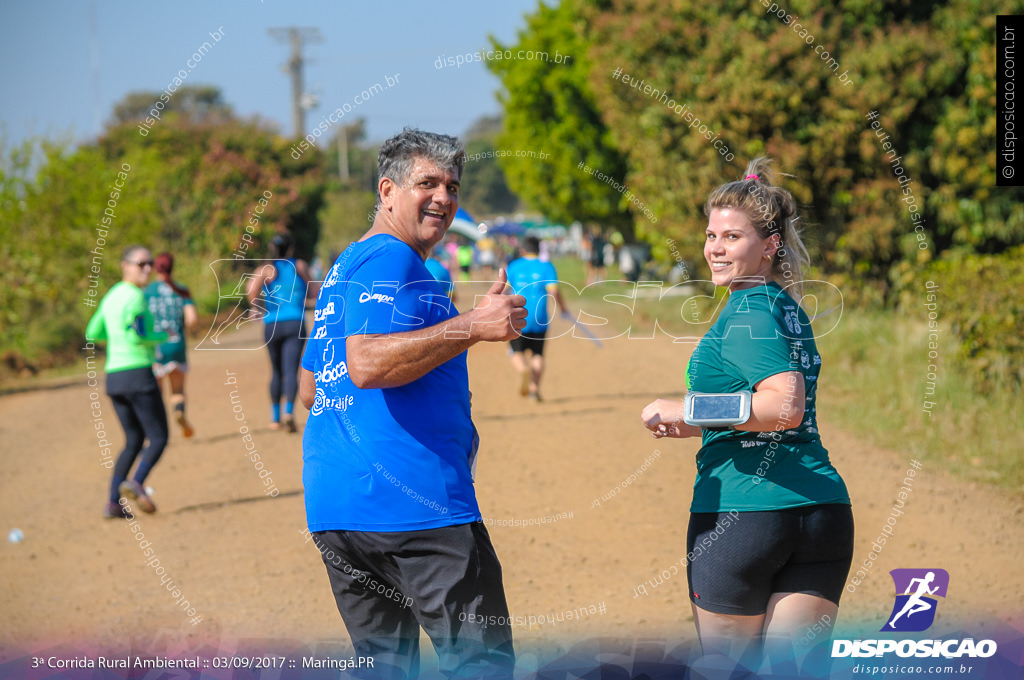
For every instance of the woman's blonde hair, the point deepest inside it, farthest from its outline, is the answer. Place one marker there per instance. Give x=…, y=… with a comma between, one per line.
x=771, y=210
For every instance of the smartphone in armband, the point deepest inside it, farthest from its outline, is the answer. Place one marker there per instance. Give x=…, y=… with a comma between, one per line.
x=717, y=411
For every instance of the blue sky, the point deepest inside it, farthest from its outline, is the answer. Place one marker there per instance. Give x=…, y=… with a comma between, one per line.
x=47, y=50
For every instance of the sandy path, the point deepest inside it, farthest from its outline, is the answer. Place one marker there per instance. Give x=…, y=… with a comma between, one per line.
x=238, y=555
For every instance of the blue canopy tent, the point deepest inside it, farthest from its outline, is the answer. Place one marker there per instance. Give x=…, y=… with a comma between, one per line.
x=465, y=225
x=507, y=228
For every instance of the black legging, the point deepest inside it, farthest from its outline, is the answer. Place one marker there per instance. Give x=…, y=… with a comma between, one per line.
x=143, y=417
x=284, y=342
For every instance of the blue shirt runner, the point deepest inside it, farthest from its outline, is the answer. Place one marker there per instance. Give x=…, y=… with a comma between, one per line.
x=392, y=459
x=532, y=279
x=285, y=296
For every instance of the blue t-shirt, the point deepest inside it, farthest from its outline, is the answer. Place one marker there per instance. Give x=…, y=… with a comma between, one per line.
x=531, y=278
x=285, y=296
x=393, y=459
x=440, y=272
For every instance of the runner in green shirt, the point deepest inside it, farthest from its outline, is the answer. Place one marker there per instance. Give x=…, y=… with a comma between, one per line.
x=464, y=255
x=123, y=320
x=770, y=539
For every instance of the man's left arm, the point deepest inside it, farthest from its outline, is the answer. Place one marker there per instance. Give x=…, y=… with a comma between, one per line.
x=307, y=387
x=381, y=360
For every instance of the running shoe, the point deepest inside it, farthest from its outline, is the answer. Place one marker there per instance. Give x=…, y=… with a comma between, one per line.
x=274, y=425
x=535, y=396
x=524, y=383
x=133, y=491
x=289, y=425
x=116, y=511
x=186, y=427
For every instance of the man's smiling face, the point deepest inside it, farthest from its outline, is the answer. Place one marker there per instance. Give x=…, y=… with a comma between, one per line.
x=423, y=207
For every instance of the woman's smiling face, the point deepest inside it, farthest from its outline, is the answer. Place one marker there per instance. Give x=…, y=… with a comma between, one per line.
x=738, y=257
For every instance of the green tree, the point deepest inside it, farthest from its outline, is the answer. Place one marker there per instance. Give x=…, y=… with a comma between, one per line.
x=362, y=157
x=484, y=127
x=759, y=84
x=971, y=212
x=762, y=87
x=189, y=187
x=46, y=235
x=485, y=191
x=205, y=179
x=194, y=103
x=549, y=107
x=346, y=215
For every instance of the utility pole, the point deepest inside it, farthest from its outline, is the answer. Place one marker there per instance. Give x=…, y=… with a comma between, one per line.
x=296, y=37
x=343, y=153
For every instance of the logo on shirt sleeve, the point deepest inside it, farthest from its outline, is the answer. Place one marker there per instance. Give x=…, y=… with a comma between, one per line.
x=792, y=320
x=321, y=314
x=331, y=372
x=376, y=297
x=335, y=274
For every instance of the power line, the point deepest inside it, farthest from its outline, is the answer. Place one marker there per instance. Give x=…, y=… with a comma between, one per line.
x=94, y=50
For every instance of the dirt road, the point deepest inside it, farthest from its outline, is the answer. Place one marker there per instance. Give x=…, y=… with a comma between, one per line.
x=237, y=555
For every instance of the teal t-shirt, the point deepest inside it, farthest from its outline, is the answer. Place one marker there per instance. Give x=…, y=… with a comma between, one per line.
x=168, y=310
x=761, y=332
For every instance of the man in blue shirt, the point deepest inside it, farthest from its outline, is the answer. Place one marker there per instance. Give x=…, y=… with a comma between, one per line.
x=389, y=447
x=535, y=281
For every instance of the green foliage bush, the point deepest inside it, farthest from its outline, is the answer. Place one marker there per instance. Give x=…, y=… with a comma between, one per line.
x=927, y=69
x=550, y=107
x=190, y=189
x=979, y=297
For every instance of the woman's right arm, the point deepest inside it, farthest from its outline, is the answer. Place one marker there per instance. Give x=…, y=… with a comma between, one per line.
x=191, y=316
x=664, y=418
x=263, y=276
x=302, y=268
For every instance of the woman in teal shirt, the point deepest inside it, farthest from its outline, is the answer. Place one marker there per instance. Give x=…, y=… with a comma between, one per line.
x=173, y=312
x=770, y=539
x=123, y=320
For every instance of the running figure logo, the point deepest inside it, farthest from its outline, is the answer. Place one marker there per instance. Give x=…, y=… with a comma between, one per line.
x=914, y=610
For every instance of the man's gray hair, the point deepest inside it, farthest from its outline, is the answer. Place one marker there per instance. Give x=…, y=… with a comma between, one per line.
x=398, y=154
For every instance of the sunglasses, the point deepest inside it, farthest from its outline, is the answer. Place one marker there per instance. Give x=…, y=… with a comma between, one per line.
x=144, y=263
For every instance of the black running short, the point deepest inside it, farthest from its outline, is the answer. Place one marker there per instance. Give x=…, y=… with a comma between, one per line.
x=736, y=561
x=529, y=341
x=447, y=580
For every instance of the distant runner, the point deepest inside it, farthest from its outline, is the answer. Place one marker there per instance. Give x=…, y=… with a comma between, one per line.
x=534, y=280
x=283, y=286
x=173, y=312
x=124, y=322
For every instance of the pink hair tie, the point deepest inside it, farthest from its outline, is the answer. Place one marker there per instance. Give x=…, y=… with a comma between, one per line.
x=749, y=176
